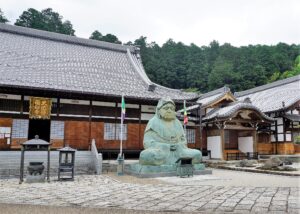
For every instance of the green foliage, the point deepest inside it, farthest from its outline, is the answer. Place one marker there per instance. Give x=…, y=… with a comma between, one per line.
x=96, y=35
x=297, y=140
x=47, y=20
x=3, y=19
x=289, y=73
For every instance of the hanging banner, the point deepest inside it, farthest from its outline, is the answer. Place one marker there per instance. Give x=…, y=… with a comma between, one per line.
x=40, y=108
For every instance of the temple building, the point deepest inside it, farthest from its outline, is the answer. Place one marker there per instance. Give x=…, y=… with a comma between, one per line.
x=261, y=120
x=281, y=101
x=230, y=127
x=68, y=91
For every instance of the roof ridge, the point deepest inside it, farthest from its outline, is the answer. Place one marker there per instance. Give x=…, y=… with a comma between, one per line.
x=64, y=38
x=216, y=91
x=268, y=86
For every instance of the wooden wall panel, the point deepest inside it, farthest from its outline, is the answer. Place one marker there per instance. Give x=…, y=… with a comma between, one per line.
x=133, y=136
x=265, y=148
x=142, y=130
x=57, y=143
x=285, y=148
x=97, y=133
x=297, y=148
x=5, y=122
x=263, y=138
x=77, y=134
x=15, y=142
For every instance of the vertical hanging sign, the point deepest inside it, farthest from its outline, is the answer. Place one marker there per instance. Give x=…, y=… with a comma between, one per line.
x=40, y=108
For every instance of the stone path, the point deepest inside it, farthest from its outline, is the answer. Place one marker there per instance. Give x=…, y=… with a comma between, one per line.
x=103, y=191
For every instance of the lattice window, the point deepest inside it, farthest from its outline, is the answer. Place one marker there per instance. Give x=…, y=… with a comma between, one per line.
x=57, y=130
x=20, y=128
x=112, y=131
x=191, y=135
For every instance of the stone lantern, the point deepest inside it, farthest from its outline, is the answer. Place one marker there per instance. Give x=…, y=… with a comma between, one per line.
x=66, y=163
x=35, y=169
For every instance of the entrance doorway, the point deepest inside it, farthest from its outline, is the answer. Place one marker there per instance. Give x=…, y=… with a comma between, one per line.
x=40, y=128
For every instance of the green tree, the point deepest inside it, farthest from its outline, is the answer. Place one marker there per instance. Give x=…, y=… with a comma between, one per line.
x=111, y=38
x=223, y=74
x=3, y=19
x=96, y=35
x=47, y=20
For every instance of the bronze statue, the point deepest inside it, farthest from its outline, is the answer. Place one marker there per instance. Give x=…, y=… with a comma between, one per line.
x=164, y=138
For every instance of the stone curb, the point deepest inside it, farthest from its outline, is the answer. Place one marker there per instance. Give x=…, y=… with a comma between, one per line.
x=257, y=171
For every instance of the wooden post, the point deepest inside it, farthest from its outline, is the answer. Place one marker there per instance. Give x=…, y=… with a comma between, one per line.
x=22, y=104
x=222, y=134
x=22, y=165
x=140, y=120
x=254, y=134
x=200, y=125
x=90, y=122
x=48, y=164
x=58, y=107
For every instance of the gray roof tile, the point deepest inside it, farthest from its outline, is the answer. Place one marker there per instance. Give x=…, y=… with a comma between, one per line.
x=44, y=60
x=270, y=97
x=230, y=110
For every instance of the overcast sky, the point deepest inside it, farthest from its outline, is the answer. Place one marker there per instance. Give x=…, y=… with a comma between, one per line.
x=239, y=22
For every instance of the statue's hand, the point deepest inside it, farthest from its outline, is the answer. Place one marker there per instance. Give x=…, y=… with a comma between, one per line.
x=173, y=147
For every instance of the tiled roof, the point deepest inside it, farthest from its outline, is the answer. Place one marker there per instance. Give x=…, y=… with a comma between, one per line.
x=32, y=58
x=274, y=96
x=230, y=110
x=212, y=96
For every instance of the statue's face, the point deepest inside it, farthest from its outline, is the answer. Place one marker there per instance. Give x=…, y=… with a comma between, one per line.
x=167, y=112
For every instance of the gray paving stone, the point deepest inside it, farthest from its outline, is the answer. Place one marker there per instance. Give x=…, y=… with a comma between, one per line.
x=277, y=208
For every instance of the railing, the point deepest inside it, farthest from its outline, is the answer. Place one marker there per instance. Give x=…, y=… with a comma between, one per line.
x=241, y=156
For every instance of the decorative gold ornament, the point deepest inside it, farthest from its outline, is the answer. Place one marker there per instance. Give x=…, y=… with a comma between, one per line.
x=40, y=108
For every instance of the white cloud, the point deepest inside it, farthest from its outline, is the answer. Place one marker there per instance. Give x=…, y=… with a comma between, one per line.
x=239, y=22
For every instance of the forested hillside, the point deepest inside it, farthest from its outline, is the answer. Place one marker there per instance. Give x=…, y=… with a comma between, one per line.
x=205, y=68
x=190, y=67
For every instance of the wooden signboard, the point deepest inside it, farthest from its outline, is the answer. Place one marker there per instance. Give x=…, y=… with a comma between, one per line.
x=40, y=108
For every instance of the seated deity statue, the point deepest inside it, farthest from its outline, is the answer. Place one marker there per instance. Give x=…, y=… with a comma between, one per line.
x=164, y=138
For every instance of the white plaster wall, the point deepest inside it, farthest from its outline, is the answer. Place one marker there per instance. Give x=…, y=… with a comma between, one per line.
x=214, y=145
x=245, y=144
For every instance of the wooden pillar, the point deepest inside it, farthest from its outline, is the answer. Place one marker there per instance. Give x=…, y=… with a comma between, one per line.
x=90, y=122
x=140, y=120
x=22, y=165
x=58, y=107
x=22, y=104
x=254, y=134
x=200, y=125
x=222, y=135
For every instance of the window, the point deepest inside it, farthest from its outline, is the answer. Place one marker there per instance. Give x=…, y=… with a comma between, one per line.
x=20, y=128
x=191, y=135
x=5, y=133
x=57, y=130
x=112, y=131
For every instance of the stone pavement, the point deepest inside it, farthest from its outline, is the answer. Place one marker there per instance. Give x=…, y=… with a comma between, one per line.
x=103, y=191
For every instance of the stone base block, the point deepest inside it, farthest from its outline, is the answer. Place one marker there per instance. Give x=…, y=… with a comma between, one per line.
x=147, y=171
x=35, y=178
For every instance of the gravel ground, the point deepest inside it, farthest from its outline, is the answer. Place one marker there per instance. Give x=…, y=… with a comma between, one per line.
x=219, y=177
x=237, y=178
x=35, y=209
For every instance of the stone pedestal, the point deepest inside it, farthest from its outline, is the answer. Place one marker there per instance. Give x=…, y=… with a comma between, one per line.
x=149, y=171
x=35, y=178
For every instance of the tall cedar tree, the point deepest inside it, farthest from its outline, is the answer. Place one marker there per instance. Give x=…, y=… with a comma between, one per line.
x=3, y=19
x=47, y=20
